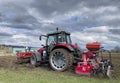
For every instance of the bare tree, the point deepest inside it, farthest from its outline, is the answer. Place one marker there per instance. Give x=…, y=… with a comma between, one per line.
x=116, y=49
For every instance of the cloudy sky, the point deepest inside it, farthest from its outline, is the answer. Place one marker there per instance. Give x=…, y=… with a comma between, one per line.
x=22, y=21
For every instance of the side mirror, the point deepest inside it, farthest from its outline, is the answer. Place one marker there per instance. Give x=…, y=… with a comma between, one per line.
x=40, y=38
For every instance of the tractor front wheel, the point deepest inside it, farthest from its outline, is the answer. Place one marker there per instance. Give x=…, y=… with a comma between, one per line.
x=60, y=60
x=33, y=61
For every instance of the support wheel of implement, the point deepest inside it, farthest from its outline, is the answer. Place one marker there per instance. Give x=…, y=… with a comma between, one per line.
x=33, y=61
x=109, y=72
x=60, y=60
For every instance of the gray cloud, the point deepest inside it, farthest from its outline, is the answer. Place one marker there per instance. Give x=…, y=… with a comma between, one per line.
x=5, y=34
x=115, y=31
x=47, y=7
x=18, y=26
x=98, y=3
x=29, y=19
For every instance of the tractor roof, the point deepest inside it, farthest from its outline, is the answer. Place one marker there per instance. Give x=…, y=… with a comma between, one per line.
x=59, y=32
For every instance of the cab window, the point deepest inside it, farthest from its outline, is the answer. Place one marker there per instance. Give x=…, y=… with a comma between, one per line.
x=51, y=39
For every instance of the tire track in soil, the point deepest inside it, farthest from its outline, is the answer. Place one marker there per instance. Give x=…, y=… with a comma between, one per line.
x=9, y=62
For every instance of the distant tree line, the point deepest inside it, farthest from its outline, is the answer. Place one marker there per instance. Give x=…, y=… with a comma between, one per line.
x=116, y=49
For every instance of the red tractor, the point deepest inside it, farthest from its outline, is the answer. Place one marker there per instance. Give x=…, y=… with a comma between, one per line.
x=59, y=52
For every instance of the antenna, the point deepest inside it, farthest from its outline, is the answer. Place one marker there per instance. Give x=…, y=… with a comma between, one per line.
x=57, y=29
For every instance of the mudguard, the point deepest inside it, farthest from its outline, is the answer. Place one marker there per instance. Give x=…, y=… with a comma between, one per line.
x=38, y=56
x=65, y=46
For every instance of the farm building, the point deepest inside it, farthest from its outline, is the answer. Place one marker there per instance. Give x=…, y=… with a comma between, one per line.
x=23, y=49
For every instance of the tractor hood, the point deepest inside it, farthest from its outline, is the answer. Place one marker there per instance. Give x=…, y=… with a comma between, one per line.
x=40, y=50
x=75, y=45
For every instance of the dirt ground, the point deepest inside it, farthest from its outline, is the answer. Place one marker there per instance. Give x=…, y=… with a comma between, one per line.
x=9, y=62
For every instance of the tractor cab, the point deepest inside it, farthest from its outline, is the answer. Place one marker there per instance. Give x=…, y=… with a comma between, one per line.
x=60, y=37
x=57, y=39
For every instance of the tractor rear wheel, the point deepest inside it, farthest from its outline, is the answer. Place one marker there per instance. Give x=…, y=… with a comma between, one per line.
x=60, y=60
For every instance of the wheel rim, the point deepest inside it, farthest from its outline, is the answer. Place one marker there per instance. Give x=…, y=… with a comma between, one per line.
x=32, y=59
x=58, y=60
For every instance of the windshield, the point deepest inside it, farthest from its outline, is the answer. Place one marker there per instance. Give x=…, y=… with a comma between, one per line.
x=51, y=39
x=59, y=38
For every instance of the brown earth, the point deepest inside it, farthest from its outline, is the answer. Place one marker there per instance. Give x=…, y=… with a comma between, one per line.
x=9, y=62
